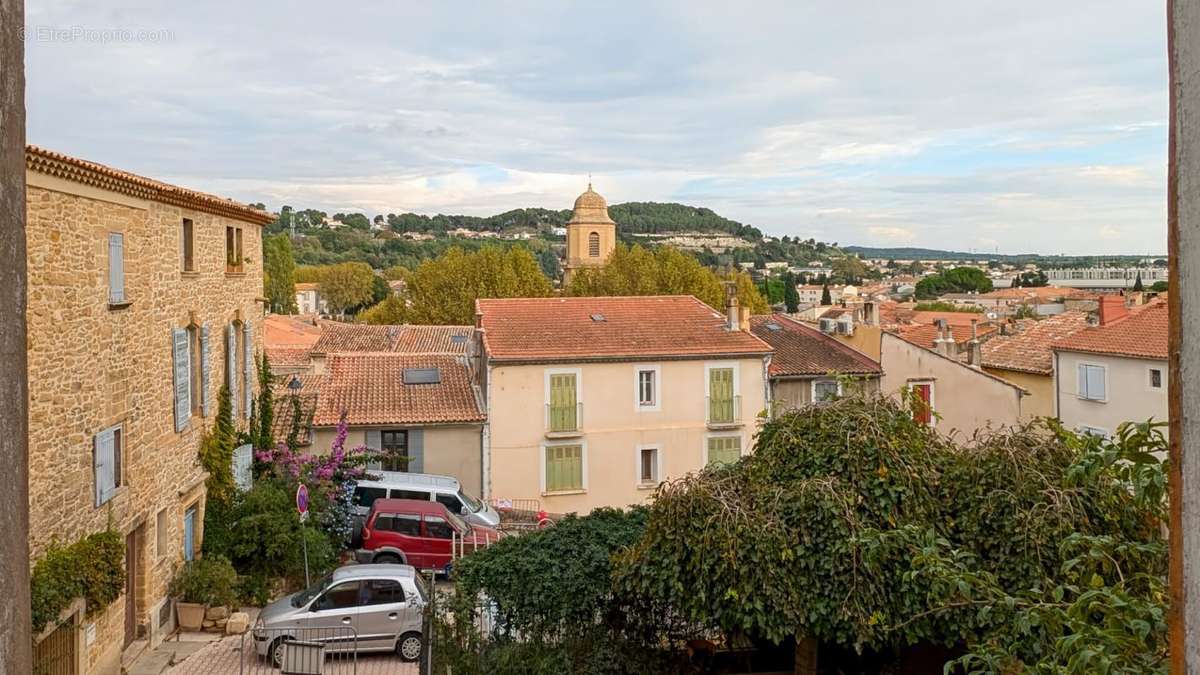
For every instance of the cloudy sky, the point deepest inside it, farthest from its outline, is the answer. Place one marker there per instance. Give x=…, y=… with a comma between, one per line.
x=1009, y=125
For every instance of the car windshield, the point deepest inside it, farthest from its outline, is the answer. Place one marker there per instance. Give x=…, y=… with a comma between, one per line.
x=473, y=504
x=305, y=596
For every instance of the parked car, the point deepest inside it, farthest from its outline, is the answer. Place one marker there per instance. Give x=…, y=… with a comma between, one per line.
x=365, y=608
x=429, y=487
x=418, y=533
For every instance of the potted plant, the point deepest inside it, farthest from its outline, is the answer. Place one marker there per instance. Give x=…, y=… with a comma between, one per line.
x=207, y=582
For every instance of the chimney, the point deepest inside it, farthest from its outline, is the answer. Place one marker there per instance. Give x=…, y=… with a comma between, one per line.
x=974, y=347
x=1112, y=309
x=944, y=344
x=870, y=313
x=733, y=316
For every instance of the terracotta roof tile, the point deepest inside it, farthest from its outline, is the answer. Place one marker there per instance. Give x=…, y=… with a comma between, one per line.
x=285, y=410
x=801, y=350
x=282, y=330
x=357, y=337
x=370, y=389
x=104, y=177
x=924, y=334
x=1031, y=350
x=1142, y=334
x=287, y=357
x=635, y=327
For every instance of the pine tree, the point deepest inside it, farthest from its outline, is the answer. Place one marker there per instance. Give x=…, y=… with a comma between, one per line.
x=791, y=297
x=1137, y=284
x=826, y=298
x=216, y=448
x=262, y=435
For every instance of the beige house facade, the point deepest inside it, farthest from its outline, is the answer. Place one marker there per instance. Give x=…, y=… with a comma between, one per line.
x=143, y=301
x=594, y=401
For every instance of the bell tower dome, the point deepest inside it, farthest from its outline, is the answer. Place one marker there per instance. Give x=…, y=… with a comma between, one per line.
x=591, y=233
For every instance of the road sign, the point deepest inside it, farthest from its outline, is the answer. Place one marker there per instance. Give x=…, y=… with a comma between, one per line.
x=302, y=500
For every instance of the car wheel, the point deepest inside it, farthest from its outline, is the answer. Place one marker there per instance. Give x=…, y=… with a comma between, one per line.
x=409, y=646
x=388, y=559
x=276, y=652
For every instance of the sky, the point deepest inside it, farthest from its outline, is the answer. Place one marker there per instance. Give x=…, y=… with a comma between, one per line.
x=1009, y=126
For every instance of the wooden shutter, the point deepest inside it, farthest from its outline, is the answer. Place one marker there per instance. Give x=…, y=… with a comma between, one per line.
x=248, y=366
x=104, y=463
x=1095, y=383
x=724, y=449
x=564, y=468
x=231, y=378
x=416, y=450
x=116, y=267
x=205, y=397
x=181, y=357
x=563, y=403
x=720, y=394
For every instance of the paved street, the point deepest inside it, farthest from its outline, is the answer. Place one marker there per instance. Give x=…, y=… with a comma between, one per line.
x=225, y=657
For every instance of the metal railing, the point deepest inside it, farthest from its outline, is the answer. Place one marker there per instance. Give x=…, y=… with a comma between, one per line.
x=721, y=411
x=564, y=419
x=299, y=651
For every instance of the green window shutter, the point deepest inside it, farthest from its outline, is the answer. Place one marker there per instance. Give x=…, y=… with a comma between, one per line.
x=563, y=403
x=720, y=394
x=724, y=449
x=564, y=467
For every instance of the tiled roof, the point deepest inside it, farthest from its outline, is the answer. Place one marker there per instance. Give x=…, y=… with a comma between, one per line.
x=1142, y=334
x=924, y=334
x=1030, y=350
x=802, y=351
x=633, y=327
x=285, y=410
x=104, y=177
x=1040, y=293
x=370, y=389
x=282, y=330
x=955, y=319
x=357, y=337
x=287, y=357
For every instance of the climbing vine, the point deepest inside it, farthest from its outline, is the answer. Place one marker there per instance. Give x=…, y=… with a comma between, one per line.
x=91, y=568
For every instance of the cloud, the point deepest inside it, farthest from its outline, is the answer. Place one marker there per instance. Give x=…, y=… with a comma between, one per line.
x=1041, y=122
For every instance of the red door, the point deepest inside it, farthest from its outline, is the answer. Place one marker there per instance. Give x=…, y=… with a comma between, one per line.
x=923, y=407
x=439, y=535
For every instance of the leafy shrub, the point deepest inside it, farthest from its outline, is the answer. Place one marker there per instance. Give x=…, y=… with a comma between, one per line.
x=91, y=568
x=210, y=581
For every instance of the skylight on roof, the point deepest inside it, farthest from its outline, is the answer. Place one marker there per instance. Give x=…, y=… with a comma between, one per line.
x=774, y=326
x=458, y=339
x=422, y=375
x=597, y=317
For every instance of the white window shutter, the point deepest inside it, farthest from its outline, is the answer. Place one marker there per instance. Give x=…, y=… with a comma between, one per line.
x=104, y=466
x=205, y=396
x=231, y=366
x=1081, y=388
x=181, y=357
x=1096, y=383
x=248, y=366
x=116, y=267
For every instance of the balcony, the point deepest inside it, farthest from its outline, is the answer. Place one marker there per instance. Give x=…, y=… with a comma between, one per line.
x=564, y=421
x=723, y=413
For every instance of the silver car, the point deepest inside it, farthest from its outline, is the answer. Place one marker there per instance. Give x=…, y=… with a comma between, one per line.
x=365, y=608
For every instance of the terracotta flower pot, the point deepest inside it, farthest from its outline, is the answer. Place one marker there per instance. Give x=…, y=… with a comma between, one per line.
x=191, y=615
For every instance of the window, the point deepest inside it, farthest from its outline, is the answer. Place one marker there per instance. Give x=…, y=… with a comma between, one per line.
x=1092, y=382
x=194, y=375
x=189, y=246
x=394, y=448
x=400, y=523
x=923, y=403
x=116, y=268
x=450, y=501
x=410, y=494
x=422, y=375
x=721, y=399
x=437, y=528
x=594, y=245
x=106, y=461
x=825, y=390
x=342, y=596
x=724, y=449
x=1156, y=378
x=161, y=535
x=382, y=592
x=189, y=533
x=366, y=496
x=647, y=387
x=233, y=249
x=1092, y=431
x=564, y=468
x=648, y=465
x=563, y=402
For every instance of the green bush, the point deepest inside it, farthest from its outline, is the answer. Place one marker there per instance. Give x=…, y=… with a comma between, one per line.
x=91, y=568
x=210, y=581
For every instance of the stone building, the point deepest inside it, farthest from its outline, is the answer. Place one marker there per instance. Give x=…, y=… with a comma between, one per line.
x=144, y=298
x=591, y=234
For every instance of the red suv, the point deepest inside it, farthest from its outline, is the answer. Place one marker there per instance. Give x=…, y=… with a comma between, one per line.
x=420, y=533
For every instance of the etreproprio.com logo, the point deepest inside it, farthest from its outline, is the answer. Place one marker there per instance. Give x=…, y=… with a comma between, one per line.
x=100, y=35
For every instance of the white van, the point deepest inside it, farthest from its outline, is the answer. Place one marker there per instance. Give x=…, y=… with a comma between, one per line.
x=423, y=486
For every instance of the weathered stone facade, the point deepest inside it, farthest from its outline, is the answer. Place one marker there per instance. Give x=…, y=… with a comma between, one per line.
x=94, y=366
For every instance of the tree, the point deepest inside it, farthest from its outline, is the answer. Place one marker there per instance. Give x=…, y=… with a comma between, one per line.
x=262, y=426
x=633, y=270
x=791, y=297
x=279, y=274
x=826, y=298
x=956, y=280
x=347, y=285
x=390, y=312
x=849, y=268
x=216, y=449
x=444, y=291
x=1137, y=284
x=548, y=260
x=1159, y=287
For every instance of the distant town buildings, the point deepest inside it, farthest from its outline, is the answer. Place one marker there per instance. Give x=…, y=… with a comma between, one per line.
x=1105, y=278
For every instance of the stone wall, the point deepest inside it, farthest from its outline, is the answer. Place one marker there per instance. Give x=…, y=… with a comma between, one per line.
x=93, y=366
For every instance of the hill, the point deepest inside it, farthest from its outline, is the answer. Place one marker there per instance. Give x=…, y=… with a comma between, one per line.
x=914, y=253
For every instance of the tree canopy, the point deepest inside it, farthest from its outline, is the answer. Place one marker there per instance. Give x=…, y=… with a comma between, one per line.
x=443, y=291
x=347, y=285
x=279, y=274
x=633, y=270
x=956, y=280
